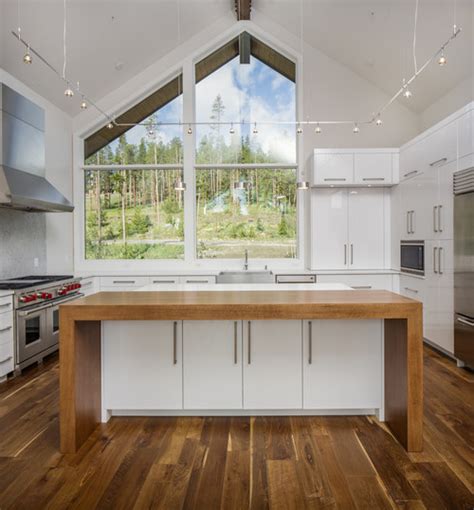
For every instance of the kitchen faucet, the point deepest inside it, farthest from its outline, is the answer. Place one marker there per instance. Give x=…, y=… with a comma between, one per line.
x=246, y=260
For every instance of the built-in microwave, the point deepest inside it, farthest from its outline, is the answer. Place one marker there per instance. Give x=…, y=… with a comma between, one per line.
x=412, y=257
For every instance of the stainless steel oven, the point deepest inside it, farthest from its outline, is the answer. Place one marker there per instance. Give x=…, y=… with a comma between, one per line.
x=37, y=330
x=412, y=257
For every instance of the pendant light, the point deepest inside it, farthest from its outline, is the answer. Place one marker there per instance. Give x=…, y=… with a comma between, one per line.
x=442, y=60
x=318, y=129
x=356, y=129
x=83, y=104
x=378, y=122
x=27, y=59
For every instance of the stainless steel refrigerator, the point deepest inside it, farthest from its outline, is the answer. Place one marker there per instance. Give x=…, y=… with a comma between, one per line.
x=463, y=186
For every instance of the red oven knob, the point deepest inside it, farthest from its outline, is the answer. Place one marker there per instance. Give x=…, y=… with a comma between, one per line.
x=61, y=292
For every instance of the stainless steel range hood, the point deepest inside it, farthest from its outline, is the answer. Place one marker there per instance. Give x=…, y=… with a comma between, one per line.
x=23, y=184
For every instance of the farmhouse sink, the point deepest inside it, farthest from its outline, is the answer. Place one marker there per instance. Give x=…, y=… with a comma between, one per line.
x=245, y=277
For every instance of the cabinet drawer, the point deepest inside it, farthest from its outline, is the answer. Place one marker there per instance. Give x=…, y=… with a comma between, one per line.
x=373, y=168
x=412, y=287
x=6, y=358
x=296, y=278
x=360, y=281
x=6, y=304
x=88, y=286
x=122, y=282
x=197, y=279
x=6, y=325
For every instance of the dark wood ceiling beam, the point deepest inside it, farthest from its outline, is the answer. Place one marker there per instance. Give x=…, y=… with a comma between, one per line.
x=242, y=9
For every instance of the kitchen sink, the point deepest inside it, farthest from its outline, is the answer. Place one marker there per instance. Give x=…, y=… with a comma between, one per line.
x=245, y=277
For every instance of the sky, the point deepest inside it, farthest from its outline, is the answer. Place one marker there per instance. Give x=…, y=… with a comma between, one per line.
x=250, y=93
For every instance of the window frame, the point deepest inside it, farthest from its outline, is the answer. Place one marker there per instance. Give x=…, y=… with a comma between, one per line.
x=186, y=68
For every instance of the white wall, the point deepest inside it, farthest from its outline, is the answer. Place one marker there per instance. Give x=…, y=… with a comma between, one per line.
x=455, y=99
x=58, y=142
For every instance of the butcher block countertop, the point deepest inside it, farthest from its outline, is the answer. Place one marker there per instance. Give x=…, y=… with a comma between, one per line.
x=235, y=305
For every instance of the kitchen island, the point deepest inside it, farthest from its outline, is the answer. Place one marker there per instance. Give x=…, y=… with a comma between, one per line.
x=303, y=349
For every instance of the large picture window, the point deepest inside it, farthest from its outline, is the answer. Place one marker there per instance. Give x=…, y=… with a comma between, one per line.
x=244, y=165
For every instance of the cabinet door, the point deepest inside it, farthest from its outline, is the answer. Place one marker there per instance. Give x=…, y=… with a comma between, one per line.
x=366, y=229
x=333, y=168
x=212, y=364
x=342, y=363
x=443, y=210
x=439, y=297
x=420, y=196
x=142, y=365
x=441, y=146
x=329, y=248
x=272, y=365
x=373, y=168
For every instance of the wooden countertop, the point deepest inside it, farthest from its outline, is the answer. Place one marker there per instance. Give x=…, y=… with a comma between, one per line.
x=236, y=305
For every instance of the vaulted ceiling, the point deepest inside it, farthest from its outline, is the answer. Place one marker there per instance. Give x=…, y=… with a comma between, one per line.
x=110, y=41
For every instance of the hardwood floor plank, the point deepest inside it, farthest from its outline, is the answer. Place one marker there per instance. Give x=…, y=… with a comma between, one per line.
x=237, y=462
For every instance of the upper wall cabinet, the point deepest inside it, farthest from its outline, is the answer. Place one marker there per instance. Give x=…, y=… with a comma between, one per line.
x=466, y=140
x=355, y=167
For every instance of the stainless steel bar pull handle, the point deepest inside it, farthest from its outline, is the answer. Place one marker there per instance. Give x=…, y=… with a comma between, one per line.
x=373, y=178
x=11, y=357
x=408, y=222
x=435, y=250
x=235, y=342
x=440, y=270
x=335, y=179
x=435, y=216
x=440, y=228
x=175, y=342
x=411, y=290
x=310, y=342
x=4, y=304
x=5, y=329
x=345, y=254
x=131, y=282
x=413, y=224
x=413, y=172
x=442, y=160
x=466, y=322
x=352, y=254
x=249, y=345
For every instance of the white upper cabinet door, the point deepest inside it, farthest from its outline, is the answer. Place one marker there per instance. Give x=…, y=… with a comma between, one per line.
x=443, y=209
x=465, y=134
x=329, y=248
x=142, y=365
x=333, y=168
x=212, y=358
x=419, y=197
x=373, y=168
x=441, y=146
x=272, y=364
x=342, y=364
x=411, y=160
x=366, y=229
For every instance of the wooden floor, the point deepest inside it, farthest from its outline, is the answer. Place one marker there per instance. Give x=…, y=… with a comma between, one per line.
x=238, y=463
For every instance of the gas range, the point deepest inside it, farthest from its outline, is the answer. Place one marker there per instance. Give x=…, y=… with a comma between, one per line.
x=38, y=289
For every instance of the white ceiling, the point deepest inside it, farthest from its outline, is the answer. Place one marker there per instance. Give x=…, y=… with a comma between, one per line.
x=372, y=37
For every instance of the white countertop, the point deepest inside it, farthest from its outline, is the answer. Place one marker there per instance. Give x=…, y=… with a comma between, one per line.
x=236, y=287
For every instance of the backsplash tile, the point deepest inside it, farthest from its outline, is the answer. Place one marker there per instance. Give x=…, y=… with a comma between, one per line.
x=22, y=239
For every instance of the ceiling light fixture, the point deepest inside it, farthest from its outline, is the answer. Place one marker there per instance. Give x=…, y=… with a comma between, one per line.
x=69, y=92
x=378, y=122
x=406, y=92
x=110, y=125
x=442, y=60
x=356, y=129
x=318, y=129
x=83, y=104
x=27, y=59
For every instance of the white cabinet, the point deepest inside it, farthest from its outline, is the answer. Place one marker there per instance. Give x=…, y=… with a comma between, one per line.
x=359, y=281
x=212, y=359
x=121, y=283
x=333, y=168
x=439, y=296
x=466, y=140
x=272, y=364
x=348, y=229
x=342, y=363
x=412, y=287
x=411, y=160
x=142, y=365
x=163, y=280
x=89, y=285
x=329, y=209
x=373, y=168
x=354, y=167
x=440, y=146
x=6, y=336
x=196, y=279
x=366, y=243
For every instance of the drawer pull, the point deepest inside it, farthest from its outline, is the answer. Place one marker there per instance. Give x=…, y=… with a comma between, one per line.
x=164, y=281
x=373, y=179
x=442, y=160
x=411, y=290
x=124, y=281
x=435, y=250
x=5, y=304
x=6, y=359
x=440, y=228
x=440, y=270
x=335, y=179
x=310, y=343
x=410, y=173
x=197, y=281
x=5, y=329
x=249, y=361
x=359, y=287
x=435, y=216
x=466, y=322
x=235, y=342
x=175, y=342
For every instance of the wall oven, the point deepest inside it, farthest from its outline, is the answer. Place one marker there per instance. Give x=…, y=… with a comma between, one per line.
x=412, y=257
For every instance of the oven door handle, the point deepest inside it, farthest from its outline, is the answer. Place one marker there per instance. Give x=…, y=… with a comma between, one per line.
x=33, y=310
x=72, y=298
